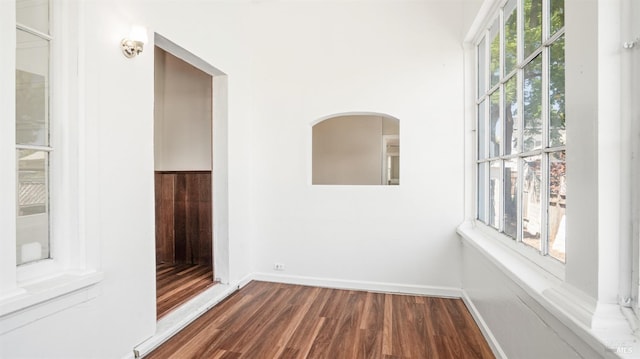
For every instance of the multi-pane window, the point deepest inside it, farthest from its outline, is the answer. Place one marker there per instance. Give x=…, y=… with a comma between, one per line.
x=521, y=183
x=33, y=123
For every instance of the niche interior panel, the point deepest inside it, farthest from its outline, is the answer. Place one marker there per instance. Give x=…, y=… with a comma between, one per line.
x=183, y=217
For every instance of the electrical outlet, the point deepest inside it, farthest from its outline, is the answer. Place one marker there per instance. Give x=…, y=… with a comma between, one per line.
x=278, y=266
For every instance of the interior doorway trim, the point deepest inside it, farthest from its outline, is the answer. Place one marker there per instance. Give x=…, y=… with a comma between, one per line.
x=220, y=169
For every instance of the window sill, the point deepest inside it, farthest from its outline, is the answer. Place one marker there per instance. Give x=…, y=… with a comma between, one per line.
x=37, y=299
x=603, y=326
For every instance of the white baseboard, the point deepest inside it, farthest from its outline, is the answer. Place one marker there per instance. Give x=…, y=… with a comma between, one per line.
x=484, y=328
x=178, y=319
x=434, y=291
x=190, y=311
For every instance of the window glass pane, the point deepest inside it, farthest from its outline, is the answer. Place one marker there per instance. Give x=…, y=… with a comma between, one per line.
x=33, y=14
x=33, y=206
x=482, y=68
x=532, y=26
x=495, y=126
x=510, y=37
x=557, y=134
x=482, y=132
x=557, y=204
x=494, y=193
x=494, y=60
x=32, y=90
x=557, y=15
x=482, y=191
x=511, y=122
x=532, y=105
x=511, y=197
x=531, y=199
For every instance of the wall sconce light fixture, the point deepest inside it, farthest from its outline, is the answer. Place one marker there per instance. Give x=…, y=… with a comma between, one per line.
x=134, y=44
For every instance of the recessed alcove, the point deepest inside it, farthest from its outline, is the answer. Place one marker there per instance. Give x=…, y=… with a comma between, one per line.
x=356, y=149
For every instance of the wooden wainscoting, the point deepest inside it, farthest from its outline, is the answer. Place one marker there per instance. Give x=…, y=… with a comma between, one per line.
x=183, y=218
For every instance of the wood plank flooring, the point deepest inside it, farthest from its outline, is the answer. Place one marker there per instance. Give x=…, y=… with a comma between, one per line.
x=269, y=320
x=177, y=283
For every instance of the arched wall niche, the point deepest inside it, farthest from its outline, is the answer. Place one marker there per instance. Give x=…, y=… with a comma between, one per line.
x=356, y=149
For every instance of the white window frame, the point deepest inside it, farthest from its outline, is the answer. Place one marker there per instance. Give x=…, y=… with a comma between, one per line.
x=538, y=257
x=35, y=290
x=631, y=81
x=586, y=298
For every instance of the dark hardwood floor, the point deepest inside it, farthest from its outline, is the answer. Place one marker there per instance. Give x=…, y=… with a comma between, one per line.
x=269, y=320
x=177, y=283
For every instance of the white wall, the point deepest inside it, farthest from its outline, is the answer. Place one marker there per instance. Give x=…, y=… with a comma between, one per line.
x=522, y=327
x=321, y=58
x=182, y=113
x=118, y=138
x=289, y=64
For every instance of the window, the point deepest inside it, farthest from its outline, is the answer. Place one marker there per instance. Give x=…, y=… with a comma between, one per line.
x=521, y=183
x=47, y=261
x=33, y=144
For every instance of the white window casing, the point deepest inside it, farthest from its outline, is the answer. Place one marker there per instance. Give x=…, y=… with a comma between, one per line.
x=584, y=293
x=35, y=290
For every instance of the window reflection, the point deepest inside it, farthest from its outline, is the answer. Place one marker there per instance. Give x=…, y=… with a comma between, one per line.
x=482, y=132
x=557, y=134
x=557, y=15
x=494, y=193
x=532, y=26
x=32, y=62
x=510, y=37
x=482, y=62
x=494, y=61
x=33, y=149
x=532, y=105
x=482, y=191
x=557, y=205
x=33, y=14
x=531, y=199
x=495, y=125
x=511, y=197
x=511, y=116
x=33, y=206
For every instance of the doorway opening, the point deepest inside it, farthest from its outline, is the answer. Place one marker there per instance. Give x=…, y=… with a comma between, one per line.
x=187, y=150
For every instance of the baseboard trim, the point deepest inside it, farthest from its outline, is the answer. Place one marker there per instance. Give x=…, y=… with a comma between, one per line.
x=434, y=291
x=192, y=310
x=178, y=319
x=484, y=328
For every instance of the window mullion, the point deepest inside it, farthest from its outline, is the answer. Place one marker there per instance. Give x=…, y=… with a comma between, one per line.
x=34, y=32
x=487, y=65
x=544, y=204
x=520, y=34
x=35, y=148
x=520, y=119
x=544, y=200
x=487, y=165
x=501, y=191
x=487, y=104
x=546, y=20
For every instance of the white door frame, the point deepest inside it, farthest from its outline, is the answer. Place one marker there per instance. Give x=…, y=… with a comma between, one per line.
x=220, y=182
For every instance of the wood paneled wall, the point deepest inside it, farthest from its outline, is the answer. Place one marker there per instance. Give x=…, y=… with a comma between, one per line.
x=183, y=217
